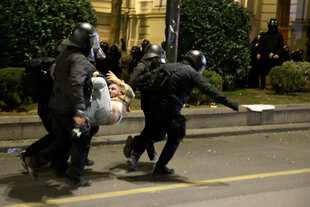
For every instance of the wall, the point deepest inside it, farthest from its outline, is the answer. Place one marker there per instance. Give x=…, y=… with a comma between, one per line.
x=141, y=19
x=146, y=19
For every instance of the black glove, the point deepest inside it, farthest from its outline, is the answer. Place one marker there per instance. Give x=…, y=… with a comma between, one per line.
x=234, y=106
x=79, y=129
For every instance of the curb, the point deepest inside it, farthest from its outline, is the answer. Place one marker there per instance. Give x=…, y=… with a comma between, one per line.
x=191, y=133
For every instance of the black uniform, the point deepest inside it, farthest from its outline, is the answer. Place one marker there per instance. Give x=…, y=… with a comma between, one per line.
x=71, y=96
x=166, y=108
x=271, y=43
x=40, y=86
x=142, y=67
x=253, y=79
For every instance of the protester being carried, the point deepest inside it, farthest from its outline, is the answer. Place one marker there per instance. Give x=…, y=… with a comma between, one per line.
x=120, y=94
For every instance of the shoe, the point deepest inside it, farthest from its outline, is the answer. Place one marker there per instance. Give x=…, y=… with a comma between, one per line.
x=163, y=171
x=133, y=163
x=78, y=182
x=89, y=162
x=22, y=156
x=152, y=153
x=128, y=146
x=32, y=166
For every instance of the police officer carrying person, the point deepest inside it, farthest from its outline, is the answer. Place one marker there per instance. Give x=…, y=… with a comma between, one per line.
x=153, y=57
x=166, y=108
x=270, y=49
x=72, y=89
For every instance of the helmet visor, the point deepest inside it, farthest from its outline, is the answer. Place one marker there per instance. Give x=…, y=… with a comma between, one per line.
x=95, y=47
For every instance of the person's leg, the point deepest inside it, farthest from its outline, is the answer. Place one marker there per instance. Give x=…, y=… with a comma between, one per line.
x=58, y=151
x=100, y=110
x=79, y=153
x=176, y=128
x=166, y=155
x=35, y=148
x=145, y=132
x=138, y=149
x=40, y=144
x=93, y=131
x=131, y=140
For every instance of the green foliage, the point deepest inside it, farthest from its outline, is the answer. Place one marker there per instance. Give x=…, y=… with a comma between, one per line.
x=303, y=68
x=10, y=87
x=285, y=79
x=220, y=29
x=197, y=97
x=30, y=29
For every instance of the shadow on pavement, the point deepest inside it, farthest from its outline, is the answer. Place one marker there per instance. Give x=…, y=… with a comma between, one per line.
x=23, y=188
x=146, y=168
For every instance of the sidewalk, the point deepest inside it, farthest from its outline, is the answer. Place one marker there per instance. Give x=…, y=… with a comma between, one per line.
x=191, y=133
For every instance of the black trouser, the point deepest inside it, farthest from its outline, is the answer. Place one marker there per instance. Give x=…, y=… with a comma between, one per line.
x=253, y=78
x=45, y=141
x=65, y=145
x=93, y=131
x=266, y=66
x=146, y=108
x=174, y=126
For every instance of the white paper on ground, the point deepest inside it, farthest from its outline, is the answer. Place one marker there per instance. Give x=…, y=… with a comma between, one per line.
x=259, y=107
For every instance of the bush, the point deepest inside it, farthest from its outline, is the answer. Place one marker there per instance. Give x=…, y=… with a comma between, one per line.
x=220, y=29
x=197, y=97
x=304, y=68
x=285, y=79
x=10, y=86
x=30, y=29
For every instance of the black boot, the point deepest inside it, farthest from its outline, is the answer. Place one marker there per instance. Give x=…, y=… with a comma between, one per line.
x=89, y=162
x=32, y=166
x=151, y=152
x=163, y=171
x=129, y=146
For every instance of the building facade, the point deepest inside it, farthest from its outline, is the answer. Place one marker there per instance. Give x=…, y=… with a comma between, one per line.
x=145, y=19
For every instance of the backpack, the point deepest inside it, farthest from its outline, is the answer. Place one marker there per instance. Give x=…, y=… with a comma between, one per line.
x=36, y=79
x=157, y=79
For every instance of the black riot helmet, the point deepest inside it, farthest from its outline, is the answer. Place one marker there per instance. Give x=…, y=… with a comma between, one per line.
x=135, y=51
x=104, y=46
x=272, y=25
x=145, y=43
x=83, y=35
x=114, y=49
x=196, y=59
x=152, y=51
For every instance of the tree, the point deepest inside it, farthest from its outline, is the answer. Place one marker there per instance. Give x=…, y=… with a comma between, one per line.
x=221, y=30
x=29, y=29
x=115, y=21
x=308, y=42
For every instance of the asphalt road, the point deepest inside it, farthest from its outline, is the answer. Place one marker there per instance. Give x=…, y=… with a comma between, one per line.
x=270, y=169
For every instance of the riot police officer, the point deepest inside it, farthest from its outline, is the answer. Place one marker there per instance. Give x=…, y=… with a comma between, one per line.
x=144, y=44
x=166, y=108
x=152, y=58
x=114, y=60
x=270, y=49
x=253, y=79
x=68, y=103
x=136, y=56
x=102, y=65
